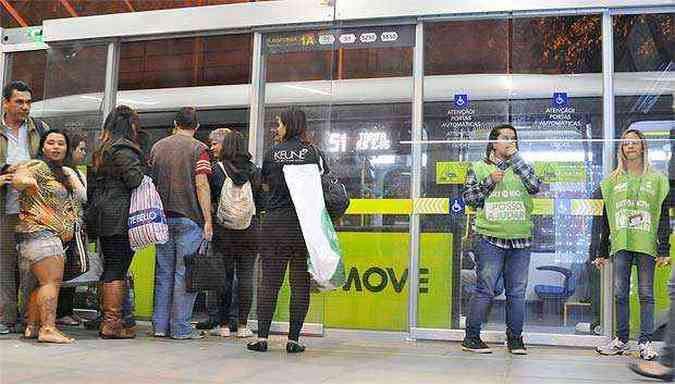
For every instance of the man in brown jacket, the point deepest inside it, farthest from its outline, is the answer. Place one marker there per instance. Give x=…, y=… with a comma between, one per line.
x=180, y=169
x=19, y=141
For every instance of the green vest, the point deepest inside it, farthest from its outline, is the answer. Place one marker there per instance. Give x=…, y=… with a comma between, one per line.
x=633, y=205
x=507, y=211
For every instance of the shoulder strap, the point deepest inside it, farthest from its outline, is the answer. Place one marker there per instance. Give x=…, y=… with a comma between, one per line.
x=79, y=176
x=40, y=126
x=222, y=166
x=319, y=157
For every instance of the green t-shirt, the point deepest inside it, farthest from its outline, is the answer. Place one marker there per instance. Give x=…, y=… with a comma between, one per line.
x=633, y=205
x=507, y=211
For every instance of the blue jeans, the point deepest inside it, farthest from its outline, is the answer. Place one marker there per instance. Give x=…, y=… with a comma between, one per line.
x=173, y=305
x=492, y=263
x=623, y=263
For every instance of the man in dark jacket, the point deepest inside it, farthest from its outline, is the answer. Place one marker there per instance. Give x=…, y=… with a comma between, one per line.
x=19, y=141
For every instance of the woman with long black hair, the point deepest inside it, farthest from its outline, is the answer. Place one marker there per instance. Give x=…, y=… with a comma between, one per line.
x=118, y=170
x=238, y=246
x=281, y=240
x=50, y=206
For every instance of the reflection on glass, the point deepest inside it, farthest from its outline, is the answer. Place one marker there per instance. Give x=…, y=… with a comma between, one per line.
x=73, y=89
x=29, y=67
x=643, y=59
x=185, y=62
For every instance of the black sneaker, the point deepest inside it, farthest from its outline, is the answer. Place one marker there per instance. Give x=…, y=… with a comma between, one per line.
x=294, y=347
x=257, y=346
x=206, y=324
x=475, y=344
x=516, y=345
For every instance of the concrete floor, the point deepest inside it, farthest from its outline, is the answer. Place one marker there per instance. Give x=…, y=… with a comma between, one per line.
x=339, y=357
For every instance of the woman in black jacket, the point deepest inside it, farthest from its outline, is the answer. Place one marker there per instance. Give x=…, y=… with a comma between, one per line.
x=282, y=243
x=238, y=247
x=118, y=170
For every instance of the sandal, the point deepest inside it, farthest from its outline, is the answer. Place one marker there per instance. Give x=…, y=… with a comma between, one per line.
x=53, y=335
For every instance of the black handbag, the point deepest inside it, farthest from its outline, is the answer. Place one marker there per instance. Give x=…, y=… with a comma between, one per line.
x=204, y=270
x=334, y=192
x=76, y=261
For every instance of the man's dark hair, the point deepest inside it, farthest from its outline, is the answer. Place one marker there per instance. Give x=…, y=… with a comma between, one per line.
x=186, y=118
x=494, y=134
x=13, y=85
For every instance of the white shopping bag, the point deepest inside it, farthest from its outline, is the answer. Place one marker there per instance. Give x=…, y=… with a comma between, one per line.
x=147, y=221
x=325, y=256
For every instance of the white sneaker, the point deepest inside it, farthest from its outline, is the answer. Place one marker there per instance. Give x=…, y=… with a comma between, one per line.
x=615, y=347
x=220, y=331
x=244, y=332
x=647, y=351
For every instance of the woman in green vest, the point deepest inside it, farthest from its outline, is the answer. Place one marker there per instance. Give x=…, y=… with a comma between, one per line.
x=499, y=187
x=634, y=229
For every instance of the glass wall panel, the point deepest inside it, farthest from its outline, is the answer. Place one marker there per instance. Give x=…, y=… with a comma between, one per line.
x=74, y=81
x=29, y=67
x=518, y=75
x=298, y=74
x=644, y=78
x=157, y=78
x=358, y=124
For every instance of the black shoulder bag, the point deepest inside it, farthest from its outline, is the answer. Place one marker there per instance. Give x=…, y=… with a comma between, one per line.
x=334, y=192
x=204, y=270
x=76, y=262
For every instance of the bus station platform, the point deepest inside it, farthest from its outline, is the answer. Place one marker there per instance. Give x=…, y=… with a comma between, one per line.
x=339, y=357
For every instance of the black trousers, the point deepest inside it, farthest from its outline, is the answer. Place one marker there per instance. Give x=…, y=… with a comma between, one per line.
x=282, y=247
x=117, y=256
x=65, y=305
x=239, y=249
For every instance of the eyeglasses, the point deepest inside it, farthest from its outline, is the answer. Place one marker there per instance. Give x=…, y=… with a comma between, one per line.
x=630, y=142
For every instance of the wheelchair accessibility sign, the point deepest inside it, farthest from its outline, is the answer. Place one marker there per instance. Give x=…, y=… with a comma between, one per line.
x=560, y=100
x=457, y=206
x=461, y=101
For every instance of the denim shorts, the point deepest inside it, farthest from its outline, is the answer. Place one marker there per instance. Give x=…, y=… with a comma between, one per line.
x=35, y=247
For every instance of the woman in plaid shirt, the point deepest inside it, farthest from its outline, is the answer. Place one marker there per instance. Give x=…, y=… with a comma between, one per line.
x=499, y=187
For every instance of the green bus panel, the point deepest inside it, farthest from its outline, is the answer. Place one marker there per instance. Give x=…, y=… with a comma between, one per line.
x=375, y=296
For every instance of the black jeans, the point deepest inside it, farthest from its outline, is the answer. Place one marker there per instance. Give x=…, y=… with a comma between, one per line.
x=239, y=250
x=65, y=303
x=282, y=245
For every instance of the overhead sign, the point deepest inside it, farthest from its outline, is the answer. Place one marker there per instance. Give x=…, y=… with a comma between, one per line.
x=349, y=38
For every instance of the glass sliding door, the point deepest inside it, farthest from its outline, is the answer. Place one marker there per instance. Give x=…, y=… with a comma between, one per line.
x=514, y=74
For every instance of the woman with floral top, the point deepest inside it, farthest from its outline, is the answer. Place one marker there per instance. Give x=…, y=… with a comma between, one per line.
x=50, y=206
